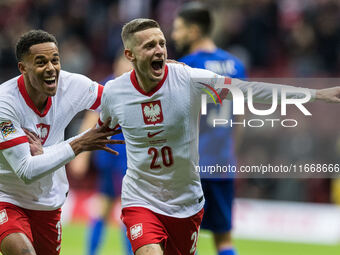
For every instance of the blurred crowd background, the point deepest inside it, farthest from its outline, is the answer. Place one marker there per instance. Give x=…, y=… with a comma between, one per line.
x=274, y=38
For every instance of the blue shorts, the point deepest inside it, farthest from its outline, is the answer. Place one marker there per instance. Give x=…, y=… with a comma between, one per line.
x=110, y=182
x=219, y=195
x=111, y=169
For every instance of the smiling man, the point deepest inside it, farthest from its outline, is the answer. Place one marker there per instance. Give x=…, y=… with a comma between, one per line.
x=43, y=100
x=158, y=106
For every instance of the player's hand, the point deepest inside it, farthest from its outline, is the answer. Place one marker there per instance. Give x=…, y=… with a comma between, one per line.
x=330, y=95
x=36, y=147
x=96, y=139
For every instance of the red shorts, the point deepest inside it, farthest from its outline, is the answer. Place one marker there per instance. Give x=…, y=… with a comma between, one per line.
x=43, y=228
x=178, y=235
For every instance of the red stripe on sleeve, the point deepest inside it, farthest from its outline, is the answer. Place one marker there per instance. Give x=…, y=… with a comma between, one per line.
x=224, y=92
x=13, y=142
x=99, y=97
x=227, y=80
x=100, y=123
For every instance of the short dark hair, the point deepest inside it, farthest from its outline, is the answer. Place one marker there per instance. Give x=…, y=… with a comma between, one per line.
x=30, y=38
x=137, y=25
x=198, y=14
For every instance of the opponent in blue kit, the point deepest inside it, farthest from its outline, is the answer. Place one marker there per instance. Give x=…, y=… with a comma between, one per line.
x=216, y=145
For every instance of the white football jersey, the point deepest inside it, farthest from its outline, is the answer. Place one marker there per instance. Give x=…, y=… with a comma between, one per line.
x=75, y=93
x=161, y=134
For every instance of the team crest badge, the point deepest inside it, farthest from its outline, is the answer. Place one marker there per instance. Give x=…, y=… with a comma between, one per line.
x=152, y=112
x=7, y=128
x=136, y=231
x=43, y=132
x=3, y=216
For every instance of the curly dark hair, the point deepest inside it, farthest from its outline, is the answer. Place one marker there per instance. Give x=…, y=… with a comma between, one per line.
x=30, y=38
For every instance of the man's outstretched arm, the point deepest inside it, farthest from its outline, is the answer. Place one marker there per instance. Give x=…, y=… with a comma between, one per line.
x=262, y=92
x=330, y=95
x=31, y=168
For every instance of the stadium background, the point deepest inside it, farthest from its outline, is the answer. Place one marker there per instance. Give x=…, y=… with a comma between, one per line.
x=274, y=38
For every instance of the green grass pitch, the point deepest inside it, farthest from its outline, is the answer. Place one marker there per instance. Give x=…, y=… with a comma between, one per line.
x=74, y=241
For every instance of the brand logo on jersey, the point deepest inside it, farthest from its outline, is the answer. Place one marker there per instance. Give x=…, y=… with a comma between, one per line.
x=136, y=231
x=43, y=132
x=3, y=216
x=7, y=128
x=152, y=112
x=150, y=135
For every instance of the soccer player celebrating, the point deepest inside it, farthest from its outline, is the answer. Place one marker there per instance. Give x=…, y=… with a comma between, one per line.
x=191, y=34
x=43, y=100
x=157, y=106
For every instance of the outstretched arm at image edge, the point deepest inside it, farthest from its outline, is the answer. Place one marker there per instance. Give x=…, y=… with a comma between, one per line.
x=262, y=92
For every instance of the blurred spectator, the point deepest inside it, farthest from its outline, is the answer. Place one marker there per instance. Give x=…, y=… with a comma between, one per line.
x=76, y=57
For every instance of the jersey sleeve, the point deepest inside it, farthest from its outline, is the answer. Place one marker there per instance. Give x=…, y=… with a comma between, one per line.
x=86, y=93
x=107, y=110
x=212, y=84
x=217, y=88
x=11, y=133
x=15, y=148
x=31, y=168
x=262, y=92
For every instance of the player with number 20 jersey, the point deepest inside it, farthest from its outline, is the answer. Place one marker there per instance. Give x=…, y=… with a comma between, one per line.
x=161, y=134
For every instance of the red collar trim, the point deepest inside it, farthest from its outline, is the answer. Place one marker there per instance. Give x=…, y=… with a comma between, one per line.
x=135, y=83
x=28, y=100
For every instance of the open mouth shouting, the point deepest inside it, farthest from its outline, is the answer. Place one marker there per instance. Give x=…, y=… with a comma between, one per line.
x=51, y=83
x=157, y=67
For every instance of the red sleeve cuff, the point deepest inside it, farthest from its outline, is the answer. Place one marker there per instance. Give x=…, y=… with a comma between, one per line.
x=100, y=123
x=13, y=142
x=99, y=97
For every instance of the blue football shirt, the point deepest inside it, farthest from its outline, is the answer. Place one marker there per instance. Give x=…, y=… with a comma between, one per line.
x=216, y=143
